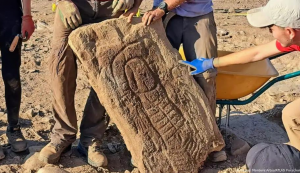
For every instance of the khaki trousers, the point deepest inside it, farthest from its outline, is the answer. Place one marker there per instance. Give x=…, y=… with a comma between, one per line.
x=63, y=70
x=198, y=35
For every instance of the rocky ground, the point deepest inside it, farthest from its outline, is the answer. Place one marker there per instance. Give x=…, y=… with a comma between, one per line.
x=234, y=33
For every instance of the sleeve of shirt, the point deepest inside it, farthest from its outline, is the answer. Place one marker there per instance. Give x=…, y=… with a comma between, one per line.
x=156, y=3
x=284, y=49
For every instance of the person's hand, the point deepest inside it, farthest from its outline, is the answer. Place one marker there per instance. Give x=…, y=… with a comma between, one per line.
x=130, y=13
x=201, y=65
x=152, y=16
x=27, y=27
x=69, y=14
x=121, y=5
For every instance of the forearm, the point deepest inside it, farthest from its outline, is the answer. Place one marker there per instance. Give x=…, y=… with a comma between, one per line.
x=248, y=55
x=174, y=3
x=26, y=7
x=241, y=57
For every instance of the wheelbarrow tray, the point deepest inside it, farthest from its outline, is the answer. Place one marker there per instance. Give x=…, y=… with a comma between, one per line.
x=237, y=81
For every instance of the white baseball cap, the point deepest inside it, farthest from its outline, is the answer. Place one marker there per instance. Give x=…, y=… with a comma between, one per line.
x=283, y=13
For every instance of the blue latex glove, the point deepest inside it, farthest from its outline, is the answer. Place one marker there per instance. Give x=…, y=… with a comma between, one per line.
x=201, y=65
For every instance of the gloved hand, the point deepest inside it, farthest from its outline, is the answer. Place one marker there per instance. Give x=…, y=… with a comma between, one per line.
x=201, y=65
x=27, y=27
x=122, y=5
x=69, y=14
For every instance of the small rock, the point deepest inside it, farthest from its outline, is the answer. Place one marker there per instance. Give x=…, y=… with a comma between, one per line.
x=37, y=62
x=227, y=36
x=127, y=171
x=32, y=162
x=34, y=149
x=281, y=100
x=40, y=25
x=37, y=49
x=24, y=46
x=33, y=71
x=38, y=107
x=231, y=10
x=45, y=49
x=41, y=47
x=222, y=32
x=135, y=170
x=239, y=147
x=48, y=119
x=52, y=170
x=242, y=33
x=30, y=112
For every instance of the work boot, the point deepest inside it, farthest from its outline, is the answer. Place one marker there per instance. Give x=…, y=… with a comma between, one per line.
x=51, y=152
x=239, y=147
x=16, y=139
x=93, y=154
x=2, y=155
x=218, y=156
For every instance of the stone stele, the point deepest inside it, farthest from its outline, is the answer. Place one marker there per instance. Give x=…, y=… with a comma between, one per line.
x=161, y=112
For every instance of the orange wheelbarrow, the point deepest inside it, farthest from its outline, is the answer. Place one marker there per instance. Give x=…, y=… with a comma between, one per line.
x=237, y=81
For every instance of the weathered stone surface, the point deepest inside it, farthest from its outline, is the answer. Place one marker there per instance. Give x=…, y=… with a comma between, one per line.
x=163, y=115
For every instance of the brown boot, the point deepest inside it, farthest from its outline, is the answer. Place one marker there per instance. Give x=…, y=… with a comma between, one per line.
x=239, y=147
x=51, y=152
x=93, y=154
x=16, y=139
x=218, y=156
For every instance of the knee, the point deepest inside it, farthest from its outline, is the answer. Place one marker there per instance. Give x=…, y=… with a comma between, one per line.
x=13, y=83
x=269, y=156
x=11, y=77
x=254, y=154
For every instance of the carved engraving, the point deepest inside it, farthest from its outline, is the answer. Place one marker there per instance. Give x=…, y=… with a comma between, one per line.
x=162, y=114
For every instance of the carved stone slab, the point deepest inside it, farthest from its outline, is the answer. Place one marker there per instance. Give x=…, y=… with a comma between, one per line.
x=162, y=114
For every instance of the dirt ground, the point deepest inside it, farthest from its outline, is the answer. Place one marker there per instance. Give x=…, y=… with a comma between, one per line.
x=36, y=117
